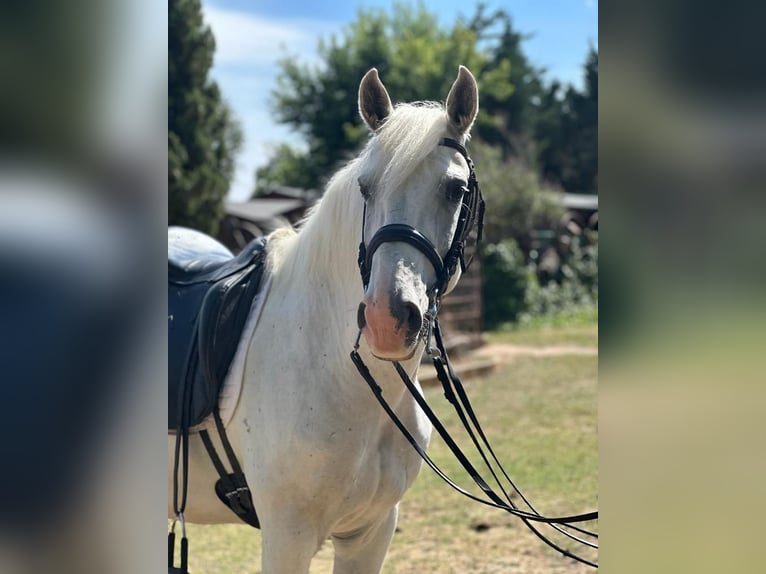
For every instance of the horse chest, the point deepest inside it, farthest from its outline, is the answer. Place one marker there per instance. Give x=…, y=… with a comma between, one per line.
x=349, y=462
x=357, y=484
x=373, y=468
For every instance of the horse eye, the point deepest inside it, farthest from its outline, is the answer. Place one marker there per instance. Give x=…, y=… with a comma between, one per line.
x=455, y=190
x=364, y=188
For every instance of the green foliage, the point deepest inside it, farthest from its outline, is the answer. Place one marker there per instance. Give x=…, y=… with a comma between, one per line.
x=203, y=136
x=567, y=132
x=417, y=58
x=517, y=201
x=287, y=167
x=514, y=294
x=577, y=288
x=511, y=86
x=505, y=281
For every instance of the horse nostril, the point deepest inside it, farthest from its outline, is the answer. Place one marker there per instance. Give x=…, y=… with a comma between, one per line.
x=413, y=318
x=360, y=320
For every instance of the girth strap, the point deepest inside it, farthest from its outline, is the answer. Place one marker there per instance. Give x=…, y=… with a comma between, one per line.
x=231, y=488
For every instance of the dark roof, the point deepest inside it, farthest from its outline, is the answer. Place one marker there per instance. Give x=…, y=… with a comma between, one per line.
x=287, y=192
x=264, y=209
x=580, y=201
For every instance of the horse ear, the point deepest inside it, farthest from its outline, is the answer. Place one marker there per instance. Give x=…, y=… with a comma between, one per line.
x=463, y=101
x=374, y=103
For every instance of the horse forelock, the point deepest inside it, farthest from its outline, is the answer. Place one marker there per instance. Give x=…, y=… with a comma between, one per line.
x=407, y=137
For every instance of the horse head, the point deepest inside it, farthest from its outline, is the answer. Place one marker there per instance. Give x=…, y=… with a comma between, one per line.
x=414, y=176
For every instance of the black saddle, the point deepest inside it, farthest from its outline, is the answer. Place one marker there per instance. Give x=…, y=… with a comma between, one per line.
x=210, y=292
x=210, y=295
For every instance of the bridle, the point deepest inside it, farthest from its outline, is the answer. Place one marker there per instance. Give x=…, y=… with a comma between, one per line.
x=471, y=215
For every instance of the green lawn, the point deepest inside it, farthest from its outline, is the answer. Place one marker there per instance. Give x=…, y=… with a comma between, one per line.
x=541, y=416
x=579, y=328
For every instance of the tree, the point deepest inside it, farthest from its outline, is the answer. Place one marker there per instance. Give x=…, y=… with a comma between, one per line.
x=203, y=136
x=584, y=109
x=518, y=202
x=417, y=58
x=567, y=132
x=512, y=86
x=539, y=126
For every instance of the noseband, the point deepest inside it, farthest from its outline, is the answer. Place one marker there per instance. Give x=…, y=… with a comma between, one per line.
x=471, y=213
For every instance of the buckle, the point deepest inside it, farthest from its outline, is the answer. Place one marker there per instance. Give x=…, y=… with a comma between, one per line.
x=237, y=492
x=430, y=317
x=179, y=518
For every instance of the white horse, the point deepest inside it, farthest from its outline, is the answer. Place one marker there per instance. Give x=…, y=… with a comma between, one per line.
x=322, y=459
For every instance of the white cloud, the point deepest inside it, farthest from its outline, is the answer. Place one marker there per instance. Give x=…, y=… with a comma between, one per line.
x=248, y=47
x=245, y=38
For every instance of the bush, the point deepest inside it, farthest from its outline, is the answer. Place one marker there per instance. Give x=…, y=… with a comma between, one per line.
x=505, y=283
x=514, y=294
x=576, y=287
x=518, y=203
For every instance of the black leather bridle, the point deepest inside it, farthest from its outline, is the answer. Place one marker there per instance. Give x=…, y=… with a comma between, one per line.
x=471, y=214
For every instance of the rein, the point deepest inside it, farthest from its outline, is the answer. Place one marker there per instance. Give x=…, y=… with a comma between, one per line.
x=471, y=214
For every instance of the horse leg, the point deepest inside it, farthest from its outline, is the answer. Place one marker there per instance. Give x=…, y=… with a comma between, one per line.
x=289, y=542
x=363, y=551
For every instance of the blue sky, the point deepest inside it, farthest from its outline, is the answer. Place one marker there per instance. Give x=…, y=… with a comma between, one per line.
x=252, y=35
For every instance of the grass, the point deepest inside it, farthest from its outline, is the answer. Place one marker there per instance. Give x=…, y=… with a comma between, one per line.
x=579, y=327
x=541, y=417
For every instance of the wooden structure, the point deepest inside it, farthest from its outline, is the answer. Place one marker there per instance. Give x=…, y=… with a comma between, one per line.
x=279, y=207
x=461, y=314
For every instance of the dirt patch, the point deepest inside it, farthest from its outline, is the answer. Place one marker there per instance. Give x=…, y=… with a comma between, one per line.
x=505, y=352
x=486, y=359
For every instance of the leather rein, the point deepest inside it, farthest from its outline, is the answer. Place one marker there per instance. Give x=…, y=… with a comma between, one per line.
x=471, y=215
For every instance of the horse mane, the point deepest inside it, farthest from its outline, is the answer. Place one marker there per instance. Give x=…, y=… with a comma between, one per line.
x=407, y=137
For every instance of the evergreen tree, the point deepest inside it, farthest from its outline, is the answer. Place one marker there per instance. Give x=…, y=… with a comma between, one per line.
x=203, y=136
x=567, y=133
x=584, y=109
x=512, y=87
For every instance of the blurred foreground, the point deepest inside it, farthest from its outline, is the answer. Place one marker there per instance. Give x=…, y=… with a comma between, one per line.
x=82, y=326
x=682, y=298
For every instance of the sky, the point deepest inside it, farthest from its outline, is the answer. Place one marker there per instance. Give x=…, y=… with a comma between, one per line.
x=251, y=36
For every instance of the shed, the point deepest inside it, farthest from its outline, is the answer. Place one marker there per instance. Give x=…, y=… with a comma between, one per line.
x=244, y=221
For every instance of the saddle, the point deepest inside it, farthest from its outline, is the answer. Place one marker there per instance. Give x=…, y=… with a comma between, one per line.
x=210, y=292
x=210, y=295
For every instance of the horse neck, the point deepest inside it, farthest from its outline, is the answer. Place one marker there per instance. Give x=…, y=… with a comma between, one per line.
x=316, y=268
x=325, y=252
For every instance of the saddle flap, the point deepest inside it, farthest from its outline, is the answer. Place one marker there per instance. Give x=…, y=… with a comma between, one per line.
x=206, y=317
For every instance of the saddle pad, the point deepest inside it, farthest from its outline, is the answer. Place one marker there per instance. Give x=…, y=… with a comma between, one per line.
x=206, y=318
x=228, y=398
